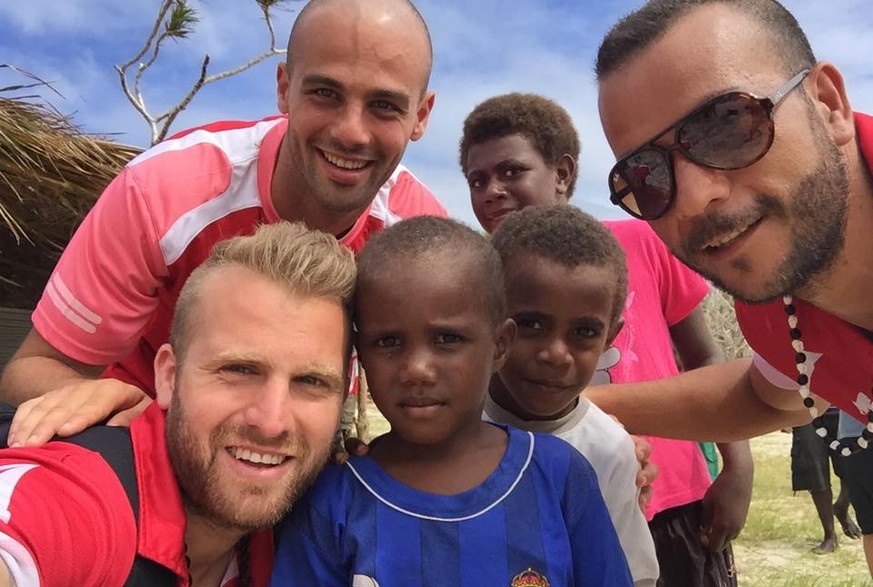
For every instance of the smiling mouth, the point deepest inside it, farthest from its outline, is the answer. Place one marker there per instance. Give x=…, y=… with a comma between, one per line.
x=343, y=163
x=557, y=387
x=726, y=239
x=256, y=458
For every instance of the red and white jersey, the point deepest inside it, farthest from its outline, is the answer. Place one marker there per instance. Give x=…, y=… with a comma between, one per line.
x=839, y=356
x=112, y=295
x=66, y=520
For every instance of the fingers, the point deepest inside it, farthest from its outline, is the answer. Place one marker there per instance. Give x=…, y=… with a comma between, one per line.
x=642, y=448
x=716, y=537
x=645, y=497
x=338, y=454
x=125, y=417
x=648, y=470
x=647, y=474
x=69, y=410
x=357, y=447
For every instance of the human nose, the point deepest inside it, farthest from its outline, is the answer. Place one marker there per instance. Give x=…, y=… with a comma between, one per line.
x=555, y=353
x=418, y=368
x=350, y=128
x=270, y=409
x=696, y=187
x=495, y=190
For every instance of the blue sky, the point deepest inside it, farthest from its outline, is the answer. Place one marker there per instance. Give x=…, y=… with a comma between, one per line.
x=482, y=48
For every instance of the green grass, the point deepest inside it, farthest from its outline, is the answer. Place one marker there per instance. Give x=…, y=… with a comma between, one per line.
x=775, y=547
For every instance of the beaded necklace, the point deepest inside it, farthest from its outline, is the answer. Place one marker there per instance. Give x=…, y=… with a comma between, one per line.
x=844, y=448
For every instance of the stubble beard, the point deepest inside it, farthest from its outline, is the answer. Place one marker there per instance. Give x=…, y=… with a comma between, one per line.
x=205, y=493
x=817, y=214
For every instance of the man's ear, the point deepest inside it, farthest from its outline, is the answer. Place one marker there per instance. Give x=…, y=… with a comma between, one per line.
x=506, y=333
x=422, y=115
x=614, y=329
x=282, y=87
x=165, y=375
x=828, y=93
x=565, y=171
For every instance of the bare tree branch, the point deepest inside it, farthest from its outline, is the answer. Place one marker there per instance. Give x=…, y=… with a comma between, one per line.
x=165, y=6
x=169, y=116
x=178, y=25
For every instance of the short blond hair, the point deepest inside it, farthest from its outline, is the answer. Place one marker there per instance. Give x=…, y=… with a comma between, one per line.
x=307, y=262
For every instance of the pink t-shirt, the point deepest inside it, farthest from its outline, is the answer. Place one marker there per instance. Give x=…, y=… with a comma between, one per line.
x=661, y=293
x=111, y=297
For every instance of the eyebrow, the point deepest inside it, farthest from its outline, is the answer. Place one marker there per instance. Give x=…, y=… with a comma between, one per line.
x=329, y=374
x=326, y=372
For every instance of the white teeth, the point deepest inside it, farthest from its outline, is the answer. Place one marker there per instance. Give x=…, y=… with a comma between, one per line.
x=344, y=163
x=724, y=239
x=244, y=454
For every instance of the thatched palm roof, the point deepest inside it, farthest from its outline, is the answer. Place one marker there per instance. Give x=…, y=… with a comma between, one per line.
x=50, y=176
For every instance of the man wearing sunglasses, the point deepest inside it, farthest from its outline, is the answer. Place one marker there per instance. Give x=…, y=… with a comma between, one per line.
x=744, y=155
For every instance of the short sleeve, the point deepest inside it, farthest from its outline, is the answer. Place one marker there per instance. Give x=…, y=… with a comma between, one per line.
x=64, y=518
x=102, y=292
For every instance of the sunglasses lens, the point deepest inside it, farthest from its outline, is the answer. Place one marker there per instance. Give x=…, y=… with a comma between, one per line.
x=642, y=184
x=730, y=132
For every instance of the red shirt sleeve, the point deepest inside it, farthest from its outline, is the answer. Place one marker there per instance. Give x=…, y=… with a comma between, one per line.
x=101, y=294
x=64, y=517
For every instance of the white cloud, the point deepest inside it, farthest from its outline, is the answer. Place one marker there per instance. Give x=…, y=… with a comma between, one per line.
x=483, y=48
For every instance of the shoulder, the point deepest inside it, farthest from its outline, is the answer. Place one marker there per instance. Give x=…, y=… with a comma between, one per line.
x=65, y=498
x=405, y=196
x=606, y=444
x=558, y=460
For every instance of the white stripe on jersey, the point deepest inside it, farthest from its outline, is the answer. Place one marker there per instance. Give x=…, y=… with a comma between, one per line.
x=21, y=565
x=60, y=302
x=243, y=181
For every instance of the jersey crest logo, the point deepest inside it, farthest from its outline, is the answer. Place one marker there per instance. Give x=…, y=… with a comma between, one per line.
x=529, y=578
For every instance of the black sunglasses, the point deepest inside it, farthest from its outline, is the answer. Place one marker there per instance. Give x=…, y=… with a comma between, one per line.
x=729, y=132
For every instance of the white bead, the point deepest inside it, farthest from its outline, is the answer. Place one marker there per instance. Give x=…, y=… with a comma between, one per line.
x=792, y=321
x=801, y=368
x=820, y=431
x=797, y=345
x=787, y=300
x=870, y=426
x=845, y=452
x=813, y=411
x=862, y=442
x=835, y=445
x=804, y=392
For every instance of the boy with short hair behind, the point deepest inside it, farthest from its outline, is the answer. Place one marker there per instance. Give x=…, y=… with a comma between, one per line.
x=566, y=284
x=445, y=498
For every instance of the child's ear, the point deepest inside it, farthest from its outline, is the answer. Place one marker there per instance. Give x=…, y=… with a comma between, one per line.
x=165, y=375
x=505, y=336
x=565, y=171
x=614, y=329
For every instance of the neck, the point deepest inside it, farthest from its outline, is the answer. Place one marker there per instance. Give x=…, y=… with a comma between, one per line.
x=210, y=549
x=844, y=290
x=293, y=202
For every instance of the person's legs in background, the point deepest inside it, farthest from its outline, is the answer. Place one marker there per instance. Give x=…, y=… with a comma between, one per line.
x=857, y=478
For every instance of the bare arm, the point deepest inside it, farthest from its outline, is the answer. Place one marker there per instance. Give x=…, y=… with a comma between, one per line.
x=724, y=402
x=694, y=344
x=38, y=367
x=6, y=579
x=58, y=395
x=726, y=502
